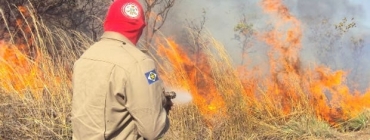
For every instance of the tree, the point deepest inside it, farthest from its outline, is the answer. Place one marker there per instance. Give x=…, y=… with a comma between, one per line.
x=195, y=33
x=244, y=33
x=84, y=16
x=80, y=15
x=337, y=48
x=330, y=42
x=156, y=15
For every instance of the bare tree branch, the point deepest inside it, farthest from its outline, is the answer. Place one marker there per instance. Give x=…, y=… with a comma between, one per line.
x=156, y=14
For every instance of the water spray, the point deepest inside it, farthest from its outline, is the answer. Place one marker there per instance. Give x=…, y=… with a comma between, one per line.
x=178, y=96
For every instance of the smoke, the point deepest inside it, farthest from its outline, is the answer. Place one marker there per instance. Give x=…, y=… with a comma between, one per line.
x=344, y=48
x=220, y=18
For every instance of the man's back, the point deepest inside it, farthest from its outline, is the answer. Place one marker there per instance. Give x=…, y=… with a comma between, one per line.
x=114, y=97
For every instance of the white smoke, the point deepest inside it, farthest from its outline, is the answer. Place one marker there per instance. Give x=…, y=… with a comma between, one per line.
x=182, y=96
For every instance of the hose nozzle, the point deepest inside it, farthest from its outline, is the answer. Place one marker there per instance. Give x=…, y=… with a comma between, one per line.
x=170, y=94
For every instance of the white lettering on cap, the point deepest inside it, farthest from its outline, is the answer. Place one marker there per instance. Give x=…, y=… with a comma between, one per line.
x=131, y=10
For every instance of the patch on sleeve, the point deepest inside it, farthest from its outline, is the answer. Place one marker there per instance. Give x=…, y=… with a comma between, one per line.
x=131, y=10
x=151, y=76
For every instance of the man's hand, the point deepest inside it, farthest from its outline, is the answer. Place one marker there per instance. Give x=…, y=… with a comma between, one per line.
x=168, y=105
x=169, y=96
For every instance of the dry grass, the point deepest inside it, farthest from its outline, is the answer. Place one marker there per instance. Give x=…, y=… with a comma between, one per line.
x=41, y=109
x=247, y=117
x=36, y=103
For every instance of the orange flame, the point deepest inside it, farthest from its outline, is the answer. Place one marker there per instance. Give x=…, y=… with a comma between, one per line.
x=20, y=62
x=17, y=71
x=195, y=76
x=343, y=104
x=285, y=90
x=287, y=75
x=284, y=62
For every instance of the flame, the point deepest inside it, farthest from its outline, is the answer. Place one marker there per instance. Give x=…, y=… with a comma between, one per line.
x=17, y=71
x=288, y=78
x=285, y=42
x=343, y=104
x=195, y=76
x=285, y=69
x=22, y=65
x=288, y=86
x=284, y=90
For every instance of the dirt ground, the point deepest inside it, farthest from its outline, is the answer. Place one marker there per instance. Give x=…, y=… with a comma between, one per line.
x=359, y=135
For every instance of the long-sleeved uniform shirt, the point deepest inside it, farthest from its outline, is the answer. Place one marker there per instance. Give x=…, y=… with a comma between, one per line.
x=117, y=93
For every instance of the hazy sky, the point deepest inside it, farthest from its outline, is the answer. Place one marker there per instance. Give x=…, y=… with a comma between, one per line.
x=365, y=6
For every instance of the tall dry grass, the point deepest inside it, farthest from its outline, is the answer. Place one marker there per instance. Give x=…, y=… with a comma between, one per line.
x=36, y=83
x=251, y=112
x=37, y=105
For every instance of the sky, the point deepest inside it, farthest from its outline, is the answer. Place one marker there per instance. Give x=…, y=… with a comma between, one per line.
x=223, y=15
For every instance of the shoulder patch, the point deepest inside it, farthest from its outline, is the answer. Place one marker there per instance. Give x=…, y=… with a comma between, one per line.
x=131, y=10
x=151, y=76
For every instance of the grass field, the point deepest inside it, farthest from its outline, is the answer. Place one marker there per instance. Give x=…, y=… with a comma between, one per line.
x=281, y=101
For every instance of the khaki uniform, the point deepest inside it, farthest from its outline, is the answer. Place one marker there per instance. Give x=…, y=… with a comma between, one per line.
x=117, y=93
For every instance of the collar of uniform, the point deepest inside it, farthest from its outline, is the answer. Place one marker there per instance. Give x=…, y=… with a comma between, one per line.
x=116, y=36
x=119, y=37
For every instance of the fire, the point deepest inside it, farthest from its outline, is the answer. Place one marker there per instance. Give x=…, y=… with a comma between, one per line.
x=194, y=75
x=288, y=86
x=285, y=42
x=285, y=70
x=17, y=71
x=211, y=79
x=22, y=65
x=343, y=104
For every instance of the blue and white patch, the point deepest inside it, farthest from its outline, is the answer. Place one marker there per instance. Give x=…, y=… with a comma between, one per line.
x=151, y=76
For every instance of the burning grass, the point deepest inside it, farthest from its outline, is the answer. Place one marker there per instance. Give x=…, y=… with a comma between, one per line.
x=255, y=106
x=35, y=70
x=281, y=101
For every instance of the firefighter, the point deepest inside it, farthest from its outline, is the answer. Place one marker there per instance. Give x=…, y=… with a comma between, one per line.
x=117, y=93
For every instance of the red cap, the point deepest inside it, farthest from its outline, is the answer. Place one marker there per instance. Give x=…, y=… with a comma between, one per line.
x=126, y=17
